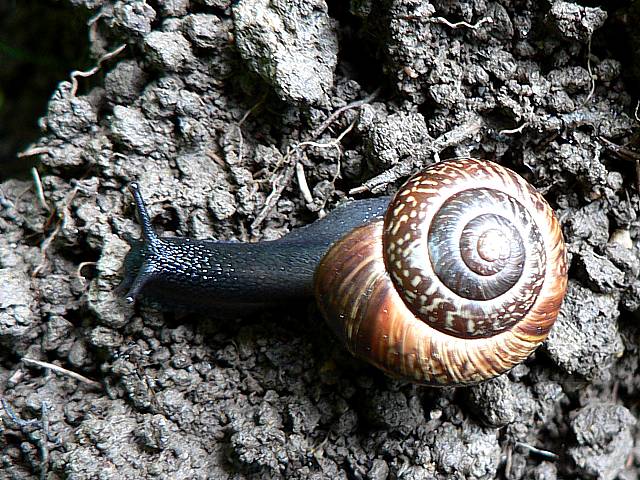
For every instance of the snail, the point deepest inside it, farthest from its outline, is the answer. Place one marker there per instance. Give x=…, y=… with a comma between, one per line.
x=455, y=280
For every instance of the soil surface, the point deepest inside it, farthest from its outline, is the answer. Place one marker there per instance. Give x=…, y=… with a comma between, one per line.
x=245, y=120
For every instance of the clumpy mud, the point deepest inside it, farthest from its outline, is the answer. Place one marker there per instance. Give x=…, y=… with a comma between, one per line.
x=244, y=120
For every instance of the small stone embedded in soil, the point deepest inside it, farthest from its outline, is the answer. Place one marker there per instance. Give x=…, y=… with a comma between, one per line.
x=498, y=401
x=468, y=451
x=16, y=301
x=585, y=338
x=124, y=83
x=206, y=31
x=604, y=438
x=292, y=45
x=575, y=21
x=134, y=17
x=130, y=128
x=79, y=355
x=390, y=139
x=169, y=51
x=599, y=272
x=379, y=470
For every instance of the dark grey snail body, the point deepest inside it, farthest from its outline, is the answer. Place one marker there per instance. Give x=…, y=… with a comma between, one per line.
x=454, y=281
x=198, y=274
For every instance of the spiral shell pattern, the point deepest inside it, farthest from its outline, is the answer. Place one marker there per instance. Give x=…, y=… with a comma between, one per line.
x=461, y=282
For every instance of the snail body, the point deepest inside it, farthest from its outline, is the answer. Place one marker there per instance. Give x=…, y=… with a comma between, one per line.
x=235, y=276
x=461, y=280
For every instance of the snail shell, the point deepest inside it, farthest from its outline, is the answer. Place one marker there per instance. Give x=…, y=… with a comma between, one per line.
x=461, y=282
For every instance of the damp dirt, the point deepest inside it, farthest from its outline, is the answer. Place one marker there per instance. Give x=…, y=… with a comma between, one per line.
x=245, y=120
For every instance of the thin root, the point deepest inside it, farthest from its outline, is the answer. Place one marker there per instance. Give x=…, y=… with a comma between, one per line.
x=283, y=179
x=624, y=153
x=81, y=265
x=592, y=88
x=457, y=25
x=60, y=222
x=84, y=74
x=511, y=131
x=331, y=118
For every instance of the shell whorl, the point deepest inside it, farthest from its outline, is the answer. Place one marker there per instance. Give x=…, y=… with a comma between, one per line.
x=461, y=282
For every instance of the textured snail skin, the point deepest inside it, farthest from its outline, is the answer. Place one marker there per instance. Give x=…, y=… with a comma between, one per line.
x=228, y=277
x=413, y=295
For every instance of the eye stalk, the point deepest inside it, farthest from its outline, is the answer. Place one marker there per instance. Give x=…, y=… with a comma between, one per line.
x=150, y=246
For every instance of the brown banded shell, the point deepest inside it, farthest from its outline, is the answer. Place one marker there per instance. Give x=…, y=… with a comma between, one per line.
x=461, y=282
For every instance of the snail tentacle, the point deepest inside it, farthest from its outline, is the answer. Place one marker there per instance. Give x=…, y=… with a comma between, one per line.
x=152, y=243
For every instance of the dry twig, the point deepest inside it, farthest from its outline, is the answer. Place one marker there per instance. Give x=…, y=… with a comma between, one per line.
x=283, y=179
x=331, y=118
x=37, y=182
x=402, y=169
x=543, y=453
x=278, y=186
x=30, y=152
x=624, y=153
x=63, y=371
x=302, y=183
